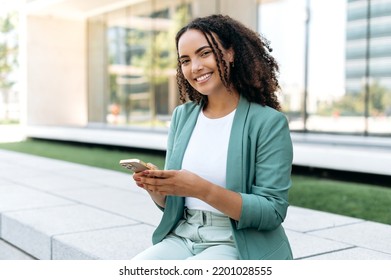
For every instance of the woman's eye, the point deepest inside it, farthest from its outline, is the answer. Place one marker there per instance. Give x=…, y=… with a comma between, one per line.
x=184, y=61
x=205, y=53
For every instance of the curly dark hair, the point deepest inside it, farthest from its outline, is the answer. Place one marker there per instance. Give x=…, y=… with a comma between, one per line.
x=253, y=72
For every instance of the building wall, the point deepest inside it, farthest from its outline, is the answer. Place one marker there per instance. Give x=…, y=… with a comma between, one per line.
x=83, y=62
x=244, y=10
x=56, y=71
x=67, y=79
x=368, y=41
x=97, y=70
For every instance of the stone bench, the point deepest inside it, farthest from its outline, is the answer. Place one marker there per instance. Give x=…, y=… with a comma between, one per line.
x=52, y=209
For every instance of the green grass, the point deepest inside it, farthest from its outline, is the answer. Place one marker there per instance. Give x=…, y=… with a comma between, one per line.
x=92, y=155
x=8, y=122
x=369, y=202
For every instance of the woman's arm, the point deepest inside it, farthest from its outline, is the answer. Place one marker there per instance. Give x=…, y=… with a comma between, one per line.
x=183, y=182
x=265, y=205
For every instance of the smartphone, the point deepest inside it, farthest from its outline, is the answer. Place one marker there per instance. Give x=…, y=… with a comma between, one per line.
x=134, y=164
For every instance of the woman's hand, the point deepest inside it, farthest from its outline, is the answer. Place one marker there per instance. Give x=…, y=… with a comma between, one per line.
x=172, y=182
x=187, y=184
x=157, y=198
x=137, y=175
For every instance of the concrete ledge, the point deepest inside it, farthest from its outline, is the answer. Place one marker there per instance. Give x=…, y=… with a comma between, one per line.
x=119, y=243
x=140, y=138
x=32, y=230
x=60, y=210
x=369, y=235
x=55, y=206
x=9, y=252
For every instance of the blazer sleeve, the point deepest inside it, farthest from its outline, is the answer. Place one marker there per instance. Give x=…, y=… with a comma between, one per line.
x=171, y=135
x=265, y=206
x=170, y=143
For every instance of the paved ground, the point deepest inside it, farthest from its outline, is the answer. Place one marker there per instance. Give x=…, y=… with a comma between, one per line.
x=52, y=209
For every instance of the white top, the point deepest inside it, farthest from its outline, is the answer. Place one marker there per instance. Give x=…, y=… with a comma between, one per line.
x=206, y=154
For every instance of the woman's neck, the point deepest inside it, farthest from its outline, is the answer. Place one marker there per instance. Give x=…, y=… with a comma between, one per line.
x=220, y=106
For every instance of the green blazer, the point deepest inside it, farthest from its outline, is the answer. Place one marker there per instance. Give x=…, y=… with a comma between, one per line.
x=259, y=168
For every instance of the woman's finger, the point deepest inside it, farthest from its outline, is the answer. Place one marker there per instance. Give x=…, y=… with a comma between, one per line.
x=159, y=173
x=152, y=166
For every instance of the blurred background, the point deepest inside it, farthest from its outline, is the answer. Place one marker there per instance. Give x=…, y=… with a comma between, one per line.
x=70, y=69
x=112, y=63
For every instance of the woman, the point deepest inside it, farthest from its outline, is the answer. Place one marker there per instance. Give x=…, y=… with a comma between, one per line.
x=224, y=189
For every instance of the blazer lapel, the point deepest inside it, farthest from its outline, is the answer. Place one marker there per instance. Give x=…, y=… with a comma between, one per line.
x=184, y=134
x=238, y=139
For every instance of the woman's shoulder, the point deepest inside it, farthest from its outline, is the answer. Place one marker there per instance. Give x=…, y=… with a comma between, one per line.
x=186, y=108
x=266, y=122
x=184, y=111
x=264, y=118
x=264, y=113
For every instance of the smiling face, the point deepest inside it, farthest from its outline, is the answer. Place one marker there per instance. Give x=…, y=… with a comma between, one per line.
x=198, y=63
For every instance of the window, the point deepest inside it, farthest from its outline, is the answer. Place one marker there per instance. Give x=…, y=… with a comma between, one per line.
x=335, y=70
x=139, y=64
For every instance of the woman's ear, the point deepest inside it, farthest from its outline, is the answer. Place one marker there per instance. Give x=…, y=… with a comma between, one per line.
x=230, y=55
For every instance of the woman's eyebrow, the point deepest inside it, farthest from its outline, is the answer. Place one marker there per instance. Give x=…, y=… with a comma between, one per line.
x=197, y=51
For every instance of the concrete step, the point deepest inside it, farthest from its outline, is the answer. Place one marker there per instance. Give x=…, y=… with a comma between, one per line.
x=10, y=252
x=51, y=209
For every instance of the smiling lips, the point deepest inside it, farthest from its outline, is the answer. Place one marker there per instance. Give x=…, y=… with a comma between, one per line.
x=203, y=78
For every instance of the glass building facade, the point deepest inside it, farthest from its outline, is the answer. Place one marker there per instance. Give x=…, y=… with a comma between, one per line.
x=120, y=60
x=334, y=56
x=335, y=61
x=138, y=46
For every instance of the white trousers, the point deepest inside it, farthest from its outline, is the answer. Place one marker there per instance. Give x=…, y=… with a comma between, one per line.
x=200, y=235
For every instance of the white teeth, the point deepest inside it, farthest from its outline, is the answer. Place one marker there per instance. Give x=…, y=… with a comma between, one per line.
x=203, y=78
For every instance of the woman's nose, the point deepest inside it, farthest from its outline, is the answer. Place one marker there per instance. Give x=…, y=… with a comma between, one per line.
x=196, y=66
